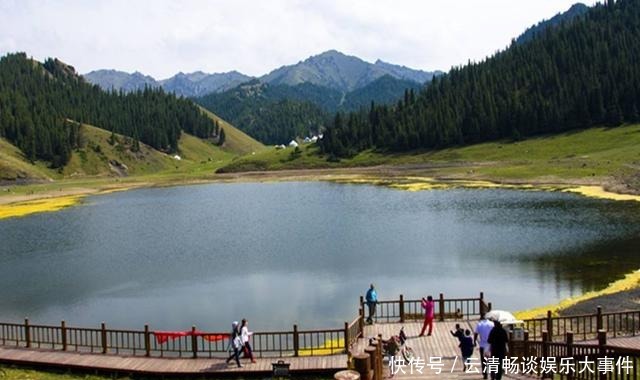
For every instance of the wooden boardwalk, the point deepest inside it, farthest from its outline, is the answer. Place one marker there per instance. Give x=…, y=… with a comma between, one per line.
x=441, y=344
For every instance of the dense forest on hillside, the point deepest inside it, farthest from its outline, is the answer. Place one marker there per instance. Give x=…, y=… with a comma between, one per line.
x=40, y=105
x=576, y=75
x=272, y=114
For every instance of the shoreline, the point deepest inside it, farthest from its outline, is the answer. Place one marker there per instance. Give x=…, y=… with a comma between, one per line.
x=631, y=281
x=399, y=178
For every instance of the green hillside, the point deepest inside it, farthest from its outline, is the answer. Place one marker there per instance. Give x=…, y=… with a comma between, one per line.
x=15, y=166
x=237, y=141
x=100, y=156
x=602, y=155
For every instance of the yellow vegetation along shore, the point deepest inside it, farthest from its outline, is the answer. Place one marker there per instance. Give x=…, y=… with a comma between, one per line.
x=630, y=281
x=40, y=205
x=428, y=183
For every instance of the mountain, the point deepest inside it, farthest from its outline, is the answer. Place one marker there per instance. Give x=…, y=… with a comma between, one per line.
x=187, y=85
x=199, y=83
x=119, y=80
x=574, y=76
x=576, y=10
x=341, y=72
x=384, y=90
x=273, y=114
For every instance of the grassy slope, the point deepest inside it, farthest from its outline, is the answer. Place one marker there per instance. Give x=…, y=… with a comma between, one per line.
x=236, y=140
x=595, y=152
x=13, y=164
x=93, y=158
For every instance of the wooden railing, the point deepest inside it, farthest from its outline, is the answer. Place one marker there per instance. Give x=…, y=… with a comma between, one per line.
x=294, y=342
x=402, y=310
x=578, y=354
x=586, y=326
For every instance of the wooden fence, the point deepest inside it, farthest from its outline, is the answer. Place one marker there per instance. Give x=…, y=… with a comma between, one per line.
x=294, y=342
x=586, y=326
x=569, y=360
x=402, y=310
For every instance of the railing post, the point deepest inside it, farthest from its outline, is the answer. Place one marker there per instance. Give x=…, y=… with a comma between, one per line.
x=296, y=341
x=569, y=342
x=378, y=370
x=599, y=324
x=401, y=308
x=441, y=307
x=194, y=342
x=103, y=337
x=361, y=301
x=346, y=336
x=27, y=332
x=545, y=346
x=549, y=325
x=482, y=312
x=602, y=351
x=147, y=341
x=361, y=322
x=63, y=335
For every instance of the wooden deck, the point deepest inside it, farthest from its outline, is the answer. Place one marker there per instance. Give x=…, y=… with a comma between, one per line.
x=441, y=344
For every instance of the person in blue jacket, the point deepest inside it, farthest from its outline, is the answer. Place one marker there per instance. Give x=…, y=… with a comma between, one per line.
x=372, y=300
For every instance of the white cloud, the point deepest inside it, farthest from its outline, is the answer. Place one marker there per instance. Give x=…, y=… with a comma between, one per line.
x=163, y=37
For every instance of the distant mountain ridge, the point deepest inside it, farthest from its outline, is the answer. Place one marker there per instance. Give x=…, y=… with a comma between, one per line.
x=187, y=85
x=576, y=10
x=331, y=69
x=342, y=72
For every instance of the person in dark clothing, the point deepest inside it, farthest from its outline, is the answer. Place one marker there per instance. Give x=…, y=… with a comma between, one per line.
x=458, y=333
x=372, y=300
x=498, y=340
x=466, y=348
x=235, y=343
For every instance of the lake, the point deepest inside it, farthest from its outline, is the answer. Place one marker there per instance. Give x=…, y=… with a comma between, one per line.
x=303, y=252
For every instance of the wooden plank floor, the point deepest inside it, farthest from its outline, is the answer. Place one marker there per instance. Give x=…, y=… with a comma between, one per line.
x=441, y=344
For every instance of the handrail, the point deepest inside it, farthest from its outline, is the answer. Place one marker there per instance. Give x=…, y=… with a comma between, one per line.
x=585, y=326
x=535, y=350
x=195, y=343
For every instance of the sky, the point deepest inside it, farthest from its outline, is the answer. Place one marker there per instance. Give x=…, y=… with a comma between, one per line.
x=163, y=37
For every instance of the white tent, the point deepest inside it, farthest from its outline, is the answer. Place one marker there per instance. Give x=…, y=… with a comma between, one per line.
x=293, y=144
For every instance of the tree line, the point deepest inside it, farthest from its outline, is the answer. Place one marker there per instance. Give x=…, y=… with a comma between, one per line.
x=573, y=75
x=42, y=104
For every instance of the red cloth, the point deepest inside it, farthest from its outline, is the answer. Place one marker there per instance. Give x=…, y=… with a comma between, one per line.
x=215, y=337
x=164, y=336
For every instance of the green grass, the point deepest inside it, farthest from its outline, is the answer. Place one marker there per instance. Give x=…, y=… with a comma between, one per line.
x=15, y=373
x=595, y=152
x=236, y=141
x=14, y=165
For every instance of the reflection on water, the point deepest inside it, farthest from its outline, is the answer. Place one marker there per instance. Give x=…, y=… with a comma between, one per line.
x=302, y=253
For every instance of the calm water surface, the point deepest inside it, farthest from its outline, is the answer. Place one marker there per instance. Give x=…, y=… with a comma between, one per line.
x=287, y=253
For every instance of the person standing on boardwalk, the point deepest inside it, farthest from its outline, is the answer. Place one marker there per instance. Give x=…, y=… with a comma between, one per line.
x=235, y=343
x=245, y=334
x=466, y=348
x=429, y=311
x=458, y=333
x=498, y=340
x=483, y=328
x=372, y=300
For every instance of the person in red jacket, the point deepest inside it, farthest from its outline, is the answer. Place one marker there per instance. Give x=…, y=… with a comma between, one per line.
x=428, y=305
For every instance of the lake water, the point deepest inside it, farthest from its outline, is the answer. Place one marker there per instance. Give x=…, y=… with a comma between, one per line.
x=285, y=253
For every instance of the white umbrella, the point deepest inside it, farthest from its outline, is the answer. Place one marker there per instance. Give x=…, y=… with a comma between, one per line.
x=505, y=317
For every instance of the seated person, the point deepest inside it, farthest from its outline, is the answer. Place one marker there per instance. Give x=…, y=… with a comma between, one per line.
x=391, y=346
